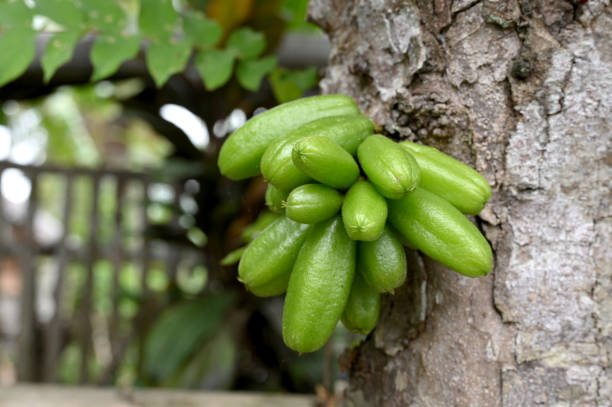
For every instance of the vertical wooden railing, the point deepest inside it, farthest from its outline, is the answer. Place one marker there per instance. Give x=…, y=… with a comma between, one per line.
x=41, y=344
x=27, y=256
x=53, y=344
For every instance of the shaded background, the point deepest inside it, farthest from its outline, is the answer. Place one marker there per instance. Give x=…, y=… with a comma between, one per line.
x=114, y=218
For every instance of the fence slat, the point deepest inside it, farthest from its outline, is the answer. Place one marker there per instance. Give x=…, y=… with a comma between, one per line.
x=85, y=325
x=54, y=339
x=27, y=348
x=174, y=251
x=39, y=355
x=117, y=259
x=146, y=243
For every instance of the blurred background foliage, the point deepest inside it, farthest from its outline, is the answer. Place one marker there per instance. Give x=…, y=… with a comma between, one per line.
x=209, y=65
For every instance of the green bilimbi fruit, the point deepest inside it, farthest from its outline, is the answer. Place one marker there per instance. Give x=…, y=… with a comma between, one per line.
x=383, y=262
x=325, y=161
x=450, y=179
x=312, y=203
x=241, y=153
x=364, y=212
x=276, y=164
x=277, y=286
x=403, y=239
x=439, y=230
x=275, y=198
x=265, y=265
x=363, y=307
x=264, y=220
x=390, y=168
x=319, y=286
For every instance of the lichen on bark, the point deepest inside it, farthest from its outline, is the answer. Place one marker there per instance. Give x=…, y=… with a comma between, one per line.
x=521, y=90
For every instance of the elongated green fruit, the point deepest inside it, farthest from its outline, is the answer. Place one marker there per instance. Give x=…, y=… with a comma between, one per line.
x=319, y=286
x=313, y=203
x=276, y=164
x=240, y=155
x=275, y=198
x=364, y=212
x=325, y=161
x=363, y=307
x=276, y=286
x=269, y=258
x=389, y=168
x=403, y=239
x=450, y=179
x=264, y=220
x=440, y=231
x=383, y=262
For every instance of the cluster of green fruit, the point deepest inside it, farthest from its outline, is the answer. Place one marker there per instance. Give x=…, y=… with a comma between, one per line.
x=334, y=253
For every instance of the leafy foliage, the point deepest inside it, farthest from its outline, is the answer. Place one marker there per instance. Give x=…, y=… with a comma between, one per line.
x=17, y=51
x=179, y=333
x=109, y=51
x=169, y=36
x=58, y=52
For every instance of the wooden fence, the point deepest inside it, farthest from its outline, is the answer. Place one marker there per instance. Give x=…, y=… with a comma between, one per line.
x=40, y=343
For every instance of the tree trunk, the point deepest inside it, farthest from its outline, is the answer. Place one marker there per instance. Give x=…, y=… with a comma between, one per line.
x=521, y=90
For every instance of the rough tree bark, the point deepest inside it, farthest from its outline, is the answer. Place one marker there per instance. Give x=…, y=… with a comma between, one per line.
x=522, y=90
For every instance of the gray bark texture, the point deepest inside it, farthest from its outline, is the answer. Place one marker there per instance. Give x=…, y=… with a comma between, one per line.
x=522, y=91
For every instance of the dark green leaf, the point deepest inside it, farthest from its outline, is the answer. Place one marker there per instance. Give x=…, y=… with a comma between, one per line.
x=251, y=72
x=18, y=50
x=166, y=58
x=15, y=14
x=179, y=332
x=58, y=51
x=64, y=12
x=201, y=30
x=157, y=19
x=110, y=51
x=215, y=67
x=232, y=257
x=246, y=43
x=212, y=367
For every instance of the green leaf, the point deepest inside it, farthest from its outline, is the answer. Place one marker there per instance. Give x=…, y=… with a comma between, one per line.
x=295, y=12
x=179, y=333
x=246, y=43
x=14, y=13
x=251, y=72
x=165, y=59
x=290, y=85
x=18, y=50
x=63, y=12
x=110, y=51
x=201, y=30
x=284, y=89
x=306, y=78
x=157, y=19
x=211, y=367
x=215, y=67
x=104, y=15
x=58, y=51
x=232, y=257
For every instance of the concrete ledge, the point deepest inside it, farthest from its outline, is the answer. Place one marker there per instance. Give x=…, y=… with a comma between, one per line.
x=60, y=396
